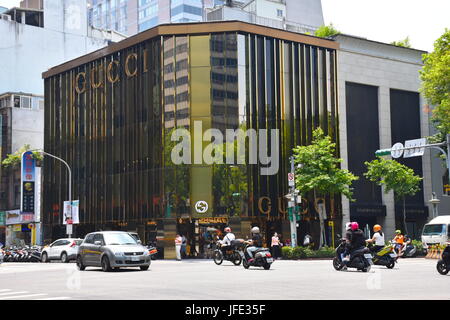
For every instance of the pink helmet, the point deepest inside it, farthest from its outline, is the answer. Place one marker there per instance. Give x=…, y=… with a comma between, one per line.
x=355, y=226
x=227, y=229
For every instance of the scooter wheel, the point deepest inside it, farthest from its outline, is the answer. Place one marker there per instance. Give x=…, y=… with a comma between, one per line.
x=366, y=269
x=337, y=264
x=218, y=258
x=391, y=265
x=442, y=267
x=245, y=263
x=266, y=266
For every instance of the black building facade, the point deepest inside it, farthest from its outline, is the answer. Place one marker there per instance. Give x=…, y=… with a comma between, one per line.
x=112, y=116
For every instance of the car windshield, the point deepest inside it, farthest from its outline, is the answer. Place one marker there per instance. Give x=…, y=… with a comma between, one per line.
x=433, y=229
x=118, y=239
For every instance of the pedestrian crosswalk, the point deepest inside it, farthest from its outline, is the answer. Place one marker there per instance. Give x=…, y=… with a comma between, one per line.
x=9, y=294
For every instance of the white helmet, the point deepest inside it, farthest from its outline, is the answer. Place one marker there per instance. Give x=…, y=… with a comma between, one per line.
x=348, y=226
x=255, y=230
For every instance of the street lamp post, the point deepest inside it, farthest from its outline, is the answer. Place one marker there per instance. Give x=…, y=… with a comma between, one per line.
x=434, y=202
x=69, y=234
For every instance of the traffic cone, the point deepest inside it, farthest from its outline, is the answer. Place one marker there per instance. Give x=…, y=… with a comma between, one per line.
x=428, y=256
x=435, y=253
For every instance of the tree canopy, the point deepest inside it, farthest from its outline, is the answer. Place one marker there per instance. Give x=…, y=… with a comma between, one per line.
x=320, y=171
x=13, y=160
x=393, y=176
x=435, y=76
x=326, y=31
x=402, y=43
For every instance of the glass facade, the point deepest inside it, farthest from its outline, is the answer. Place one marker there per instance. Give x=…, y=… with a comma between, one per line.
x=113, y=120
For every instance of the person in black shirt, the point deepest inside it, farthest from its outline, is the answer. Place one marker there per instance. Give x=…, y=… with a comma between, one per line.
x=255, y=243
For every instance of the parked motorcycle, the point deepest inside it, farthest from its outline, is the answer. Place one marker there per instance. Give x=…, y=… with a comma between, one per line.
x=443, y=265
x=232, y=253
x=361, y=259
x=385, y=257
x=261, y=258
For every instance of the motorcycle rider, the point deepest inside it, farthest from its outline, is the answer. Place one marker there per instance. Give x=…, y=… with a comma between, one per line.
x=345, y=256
x=226, y=241
x=357, y=239
x=377, y=239
x=399, y=240
x=255, y=242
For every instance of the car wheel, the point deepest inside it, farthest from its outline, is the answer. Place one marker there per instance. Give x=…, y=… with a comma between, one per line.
x=64, y=258
x=44, y=258
x=105, y=264
x=144, y=268
x=80, y=264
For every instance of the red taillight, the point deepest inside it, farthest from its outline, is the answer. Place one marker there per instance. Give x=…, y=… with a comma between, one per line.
x=268, y=255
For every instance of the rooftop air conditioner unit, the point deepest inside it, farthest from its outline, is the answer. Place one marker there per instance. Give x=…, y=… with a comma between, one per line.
x=5, y=17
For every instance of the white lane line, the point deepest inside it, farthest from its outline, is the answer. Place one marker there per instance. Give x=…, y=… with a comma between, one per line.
x=54, y=298
x=9, y=293
x=4, y=290
x=24, y=296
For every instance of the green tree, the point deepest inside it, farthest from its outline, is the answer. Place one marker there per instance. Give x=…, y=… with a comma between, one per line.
x=13, y=160
x=435, y=76
x=393, y=176
x=326, y=31
x=402, y=43
x=320, y=170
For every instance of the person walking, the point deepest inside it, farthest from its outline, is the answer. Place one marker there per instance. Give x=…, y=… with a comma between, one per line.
x=178, y=241
x=275, y=245
x=183, y=246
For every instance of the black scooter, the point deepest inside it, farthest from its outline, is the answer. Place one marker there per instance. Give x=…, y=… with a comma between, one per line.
x=361, y=259
x=261, y=258
x=443, y=265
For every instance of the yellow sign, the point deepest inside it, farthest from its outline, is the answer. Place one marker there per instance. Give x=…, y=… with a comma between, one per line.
x=17, y=228
x=212, y=220
x=331, y=223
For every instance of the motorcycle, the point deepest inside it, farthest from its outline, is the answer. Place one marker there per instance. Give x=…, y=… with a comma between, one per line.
x=232, y=253
x=385, y=257
x=409, y=250
x=443, y=265
x=261, y=258
x=361, y=259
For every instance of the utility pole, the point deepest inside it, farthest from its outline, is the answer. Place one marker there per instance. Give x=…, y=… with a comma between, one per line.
x=292, y=199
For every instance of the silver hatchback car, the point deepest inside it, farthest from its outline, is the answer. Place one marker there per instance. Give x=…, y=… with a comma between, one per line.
x=112, y=250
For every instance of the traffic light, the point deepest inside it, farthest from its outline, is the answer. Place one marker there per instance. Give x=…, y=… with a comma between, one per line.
x=383, y=152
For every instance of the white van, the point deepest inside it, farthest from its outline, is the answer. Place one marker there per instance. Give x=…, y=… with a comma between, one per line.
x=437, y=231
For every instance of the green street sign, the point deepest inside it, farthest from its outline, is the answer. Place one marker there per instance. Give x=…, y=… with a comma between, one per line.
x=2, y=218
x=383, y=152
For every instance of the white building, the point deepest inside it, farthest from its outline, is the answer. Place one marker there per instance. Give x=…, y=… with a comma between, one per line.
x=31, y=42
x=379, y=105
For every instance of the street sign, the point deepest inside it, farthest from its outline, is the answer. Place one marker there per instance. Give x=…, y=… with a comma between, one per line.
x=201, y=206
x=69, y=228
x=397, y=150
x=67, y=213
x=417, y=151
x=291, y=179
x=383, y=152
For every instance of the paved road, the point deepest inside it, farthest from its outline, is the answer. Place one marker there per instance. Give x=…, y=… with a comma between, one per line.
x=203, y=280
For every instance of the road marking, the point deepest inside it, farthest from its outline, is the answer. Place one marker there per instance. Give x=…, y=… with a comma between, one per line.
x=9, y=293
x=54, y=298
x=3, y=290
x=24, y=296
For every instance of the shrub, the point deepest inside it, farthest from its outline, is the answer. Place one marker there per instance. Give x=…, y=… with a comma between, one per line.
x=299, y=253
x=287, y=252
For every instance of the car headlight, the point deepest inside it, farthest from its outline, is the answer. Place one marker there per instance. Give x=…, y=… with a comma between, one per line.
x=146, y=253
x=119, y=254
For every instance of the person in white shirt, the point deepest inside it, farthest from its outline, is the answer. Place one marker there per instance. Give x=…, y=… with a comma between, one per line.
x=378, y=238
x=229, y=236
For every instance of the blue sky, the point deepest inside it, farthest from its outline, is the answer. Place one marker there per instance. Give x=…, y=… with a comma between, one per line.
x=381, y=20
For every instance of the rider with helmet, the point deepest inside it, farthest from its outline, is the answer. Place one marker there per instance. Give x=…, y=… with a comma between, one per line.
x=357, y=238
x=226, y=241
x=377, y=239
x=348, y=234
x=255, y=242
x=399, y=240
